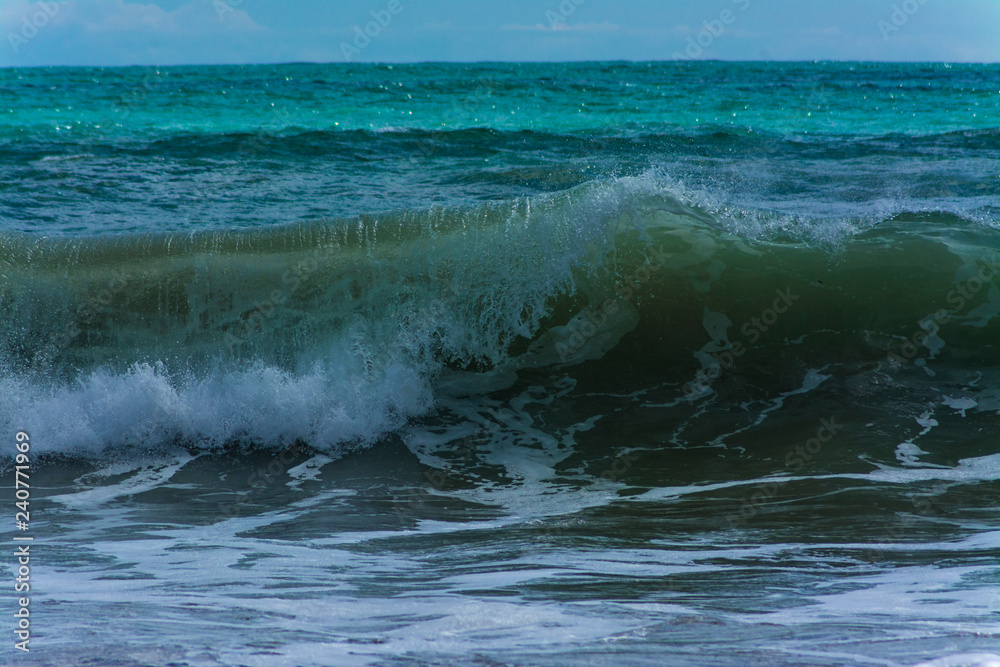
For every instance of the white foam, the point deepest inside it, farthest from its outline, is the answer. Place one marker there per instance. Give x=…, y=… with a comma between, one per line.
x=145, y=408
x=982, y=468
x=307, y=470
x=389, y=316
x=965, y=660
x=960, y=404
x=147, y=476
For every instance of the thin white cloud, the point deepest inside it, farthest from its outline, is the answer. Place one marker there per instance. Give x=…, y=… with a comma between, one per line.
x=564, y=27
x=831, y=30
x=118, y=16
x=13, y=14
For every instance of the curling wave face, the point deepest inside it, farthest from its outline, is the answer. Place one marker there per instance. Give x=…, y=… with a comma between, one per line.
x=336, y=332
x=691, y=362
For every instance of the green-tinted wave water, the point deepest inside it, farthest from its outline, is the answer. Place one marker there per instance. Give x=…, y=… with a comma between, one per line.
x=591, y=363
x=348, y=223
x=627, y=267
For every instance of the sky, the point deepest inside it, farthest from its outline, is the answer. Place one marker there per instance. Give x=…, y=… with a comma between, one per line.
x=178, y=32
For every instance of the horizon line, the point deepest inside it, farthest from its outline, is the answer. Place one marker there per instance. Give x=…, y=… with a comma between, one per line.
x=512, y=62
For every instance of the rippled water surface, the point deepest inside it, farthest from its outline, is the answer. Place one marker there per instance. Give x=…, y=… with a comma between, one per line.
x=584, y=364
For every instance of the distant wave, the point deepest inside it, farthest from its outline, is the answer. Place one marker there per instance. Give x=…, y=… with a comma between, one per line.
x=294, y=140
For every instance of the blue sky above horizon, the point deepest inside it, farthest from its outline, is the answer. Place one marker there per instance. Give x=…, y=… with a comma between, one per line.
x=171, y=32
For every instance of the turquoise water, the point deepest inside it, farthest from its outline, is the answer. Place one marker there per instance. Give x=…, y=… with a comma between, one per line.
x=593, y=363
x=135, y=149
x=616, y=99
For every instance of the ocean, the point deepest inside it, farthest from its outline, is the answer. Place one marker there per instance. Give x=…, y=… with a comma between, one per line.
x=685, y=363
